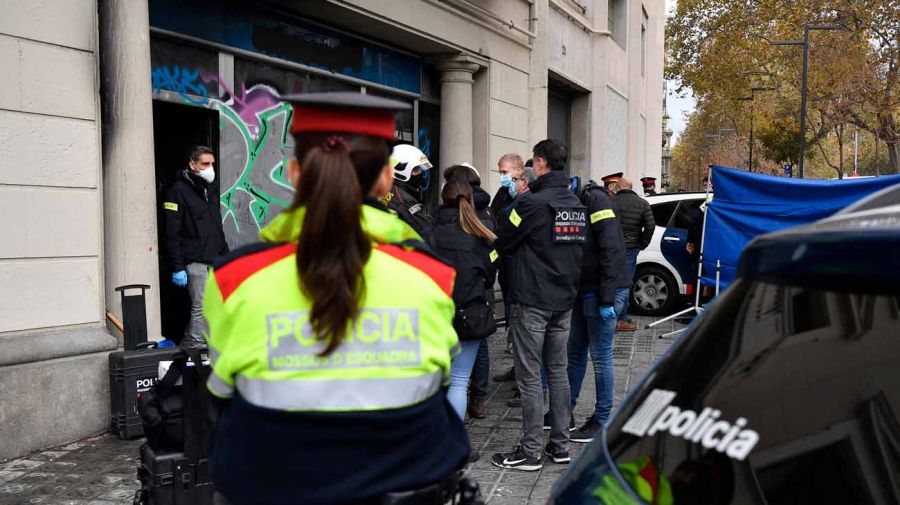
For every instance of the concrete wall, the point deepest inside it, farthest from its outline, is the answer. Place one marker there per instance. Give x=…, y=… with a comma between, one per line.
x=617, y=122
x=51, y=272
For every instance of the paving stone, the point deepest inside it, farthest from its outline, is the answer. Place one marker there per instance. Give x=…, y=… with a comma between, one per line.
x=507, y=500
x=22, y=464
x=8, y=475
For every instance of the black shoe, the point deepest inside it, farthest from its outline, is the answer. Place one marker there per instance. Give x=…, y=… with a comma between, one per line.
x=587, y=432
x=558, y=455
x=517, y=460
x=547, y=422
x=477, y=408
x=508, y=376
x=474, y=455
x=515, y=401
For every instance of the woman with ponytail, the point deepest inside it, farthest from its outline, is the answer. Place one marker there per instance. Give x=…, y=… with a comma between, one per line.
x=460, y=237
x=332, y=339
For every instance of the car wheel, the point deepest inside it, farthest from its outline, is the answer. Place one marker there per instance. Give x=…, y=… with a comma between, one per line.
x=655, y=292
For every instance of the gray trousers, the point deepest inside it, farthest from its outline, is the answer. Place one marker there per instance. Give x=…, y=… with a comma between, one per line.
x=542, y=335
x=195, y=333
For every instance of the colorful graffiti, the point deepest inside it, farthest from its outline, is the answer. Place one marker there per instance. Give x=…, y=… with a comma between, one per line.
x=186, y=83
x=254, y=146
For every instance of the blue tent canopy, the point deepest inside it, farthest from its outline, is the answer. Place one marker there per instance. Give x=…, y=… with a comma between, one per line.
x=748, y=204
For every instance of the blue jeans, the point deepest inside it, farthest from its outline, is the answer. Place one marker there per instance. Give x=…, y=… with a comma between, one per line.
x=631, y=258
x=591, y=332
x=460, y=371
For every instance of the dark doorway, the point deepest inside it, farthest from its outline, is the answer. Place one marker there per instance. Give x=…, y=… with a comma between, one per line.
x=176, y=130
x=559, y=116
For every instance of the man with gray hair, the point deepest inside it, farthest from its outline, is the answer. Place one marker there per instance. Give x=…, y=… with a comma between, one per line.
x=638, y=225
x=514, y=180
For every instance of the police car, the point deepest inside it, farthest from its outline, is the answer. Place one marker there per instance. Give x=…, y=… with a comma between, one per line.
x=785, y=391
x=666, y=272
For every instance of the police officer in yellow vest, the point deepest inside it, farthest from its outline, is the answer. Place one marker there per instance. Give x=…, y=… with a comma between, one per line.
x=332, y=339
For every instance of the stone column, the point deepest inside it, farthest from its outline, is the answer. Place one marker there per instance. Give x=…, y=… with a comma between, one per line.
x=456, y=109
x=538, y=75
x=129, y=178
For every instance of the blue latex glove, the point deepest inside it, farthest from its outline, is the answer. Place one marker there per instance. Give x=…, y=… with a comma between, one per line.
x=607, y=313
x=179, y=278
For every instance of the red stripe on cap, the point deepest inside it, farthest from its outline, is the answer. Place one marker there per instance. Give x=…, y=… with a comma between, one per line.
x=372, y=122
x=441, y=273
x=230, y=276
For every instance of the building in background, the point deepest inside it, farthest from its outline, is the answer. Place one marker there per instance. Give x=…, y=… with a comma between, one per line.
x=666, y=144
x=91, y=138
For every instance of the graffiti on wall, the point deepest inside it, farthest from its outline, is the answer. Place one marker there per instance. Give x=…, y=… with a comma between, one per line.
x=254, y=135
x=254, y=145
x=185, y=82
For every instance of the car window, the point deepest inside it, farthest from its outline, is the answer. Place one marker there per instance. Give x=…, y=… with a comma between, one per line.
x=685, y=214
x=781, y=394
x=662, y=212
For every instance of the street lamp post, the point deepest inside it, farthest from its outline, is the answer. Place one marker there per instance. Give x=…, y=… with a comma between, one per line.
x=751, y=99
x=805, y=43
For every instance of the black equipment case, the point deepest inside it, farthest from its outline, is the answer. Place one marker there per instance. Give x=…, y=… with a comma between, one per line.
x=132, y=373
x=173, y=479
x=183, y=477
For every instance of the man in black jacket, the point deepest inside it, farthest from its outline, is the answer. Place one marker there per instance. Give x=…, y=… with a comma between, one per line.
x=545, y=233
x=194, y=234
x=637, y=222
x=602, y=294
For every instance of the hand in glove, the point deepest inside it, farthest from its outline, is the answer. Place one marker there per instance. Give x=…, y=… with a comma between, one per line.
x=180, y=278
x=607, y=313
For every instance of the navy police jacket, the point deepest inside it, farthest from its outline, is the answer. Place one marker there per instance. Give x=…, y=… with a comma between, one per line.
x=545, y=233
x=604, y=268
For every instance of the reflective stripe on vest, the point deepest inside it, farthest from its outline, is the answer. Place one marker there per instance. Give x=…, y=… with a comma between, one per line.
x=338, y=394
x=219, y=387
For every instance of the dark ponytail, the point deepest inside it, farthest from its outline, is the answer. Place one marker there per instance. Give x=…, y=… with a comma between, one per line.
x=333, y=247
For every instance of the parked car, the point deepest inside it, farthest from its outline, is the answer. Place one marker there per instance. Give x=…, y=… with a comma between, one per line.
x=666, y=271
x=786, y=390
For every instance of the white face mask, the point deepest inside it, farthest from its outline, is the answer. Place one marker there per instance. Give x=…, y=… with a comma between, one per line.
x=208, y=174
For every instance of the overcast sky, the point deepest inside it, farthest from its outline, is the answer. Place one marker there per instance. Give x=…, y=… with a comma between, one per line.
x=678, y=107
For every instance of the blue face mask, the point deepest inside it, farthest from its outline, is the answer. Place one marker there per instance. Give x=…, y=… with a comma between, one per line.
x=507, y=182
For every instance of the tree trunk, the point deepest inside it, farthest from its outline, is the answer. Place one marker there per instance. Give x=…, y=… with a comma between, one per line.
x=840, y=141
x=894, y=155
x=889, y=134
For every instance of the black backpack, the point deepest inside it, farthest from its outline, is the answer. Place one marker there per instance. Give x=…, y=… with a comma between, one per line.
x=162, y=408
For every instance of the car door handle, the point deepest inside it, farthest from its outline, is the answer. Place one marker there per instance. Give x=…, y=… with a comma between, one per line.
x=672, y=239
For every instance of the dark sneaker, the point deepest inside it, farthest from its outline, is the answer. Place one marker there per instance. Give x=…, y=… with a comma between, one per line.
x=508, y=376
x=587, y=432
x=558, y=455
x=547, y=422
x=477, y=408
x=516, y=460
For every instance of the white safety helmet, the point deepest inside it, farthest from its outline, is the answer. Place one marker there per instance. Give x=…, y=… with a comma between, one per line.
x=405, y=158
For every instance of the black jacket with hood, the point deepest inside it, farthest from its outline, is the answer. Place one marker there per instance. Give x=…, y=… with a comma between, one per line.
x=547, y=251
x=193, y=222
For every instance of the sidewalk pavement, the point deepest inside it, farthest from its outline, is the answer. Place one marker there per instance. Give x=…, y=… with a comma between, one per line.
x=101, y=470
